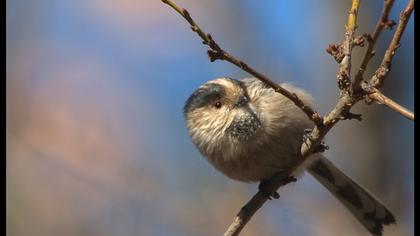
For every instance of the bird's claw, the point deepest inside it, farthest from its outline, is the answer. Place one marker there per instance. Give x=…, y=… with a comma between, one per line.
x=322, y=147
x=262, y=187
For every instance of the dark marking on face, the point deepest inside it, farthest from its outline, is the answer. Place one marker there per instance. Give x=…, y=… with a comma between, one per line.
x=321, y=169
x=204, y=96
x=243, y=87
x=241, y=101
x=348, y=193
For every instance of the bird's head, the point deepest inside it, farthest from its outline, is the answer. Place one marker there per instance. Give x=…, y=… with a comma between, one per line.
x=220, y=111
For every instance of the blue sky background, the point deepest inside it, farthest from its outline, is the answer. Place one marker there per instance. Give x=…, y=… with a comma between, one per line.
x=96, y=142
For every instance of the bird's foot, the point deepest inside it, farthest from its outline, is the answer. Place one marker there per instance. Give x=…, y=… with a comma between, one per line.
x=322, y=147
x=262, y=187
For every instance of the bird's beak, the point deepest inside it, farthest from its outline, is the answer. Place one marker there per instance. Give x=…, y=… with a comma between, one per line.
x=242, y=100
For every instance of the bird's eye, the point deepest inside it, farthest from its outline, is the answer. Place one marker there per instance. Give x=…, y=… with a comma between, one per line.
x=218, y=105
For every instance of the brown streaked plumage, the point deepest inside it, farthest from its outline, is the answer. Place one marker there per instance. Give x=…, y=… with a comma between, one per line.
x=249, y=132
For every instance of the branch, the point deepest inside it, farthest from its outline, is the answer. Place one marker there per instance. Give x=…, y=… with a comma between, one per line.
x=217, y=53
x=323, y=124
x=256, y=202
x=382, y=99
x=308, y=147
x=377, y=80
x=343, y=75
x=371, y=39
x=340, y=111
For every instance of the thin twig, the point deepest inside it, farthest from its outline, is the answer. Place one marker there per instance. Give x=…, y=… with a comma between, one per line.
x=377, y=80
x=382, y=99
x=255, y=203
x=371, y=39
x=343, y=75
x=217, y=53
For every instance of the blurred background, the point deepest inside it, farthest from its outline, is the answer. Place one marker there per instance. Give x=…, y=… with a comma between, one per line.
x=96, y=142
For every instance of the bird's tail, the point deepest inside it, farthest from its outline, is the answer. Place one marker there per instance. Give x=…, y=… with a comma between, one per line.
x=363, y=205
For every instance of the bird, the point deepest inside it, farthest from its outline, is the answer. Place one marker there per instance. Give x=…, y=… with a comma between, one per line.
x=249, y=132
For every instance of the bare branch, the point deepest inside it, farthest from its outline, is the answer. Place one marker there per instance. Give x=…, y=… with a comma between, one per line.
x=256, y=202
x=378, y=79
x=323, y=124
x=342, y=109
x=382, y=99
x=217, y=53
x=308, y=147
x=343, y=75
x=371, y=39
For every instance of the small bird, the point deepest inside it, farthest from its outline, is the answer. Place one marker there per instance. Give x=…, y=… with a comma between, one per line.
x=249, y=132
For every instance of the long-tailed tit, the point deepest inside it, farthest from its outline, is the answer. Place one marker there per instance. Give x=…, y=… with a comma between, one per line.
x=249, y=132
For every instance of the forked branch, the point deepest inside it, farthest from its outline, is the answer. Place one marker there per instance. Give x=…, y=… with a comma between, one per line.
x=383, y=22
x=381, y=73
x=345, y=102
